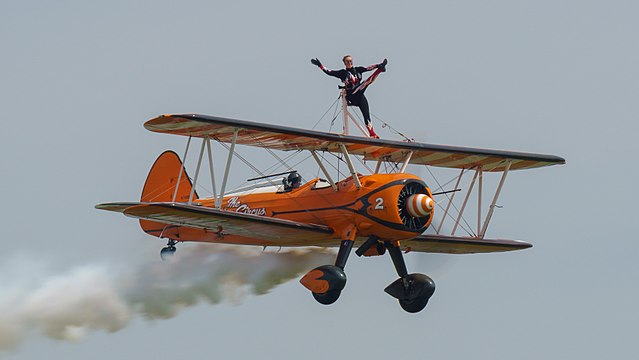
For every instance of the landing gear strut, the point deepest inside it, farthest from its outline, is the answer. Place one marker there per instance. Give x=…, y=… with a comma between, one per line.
x=327, y=281
x=412, y=290
x=167, y=252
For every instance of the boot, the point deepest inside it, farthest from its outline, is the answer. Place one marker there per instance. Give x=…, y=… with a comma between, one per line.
x=371, y=131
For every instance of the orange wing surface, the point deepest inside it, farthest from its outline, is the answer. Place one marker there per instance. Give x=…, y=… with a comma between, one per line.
x=288, y=138
x=271, y=230
x=279, y=232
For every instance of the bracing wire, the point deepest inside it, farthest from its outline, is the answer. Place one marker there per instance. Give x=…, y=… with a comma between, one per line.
x=441, y=187
x=262, y=174
x=392, y=129
x=467, y=230
x=326, y=112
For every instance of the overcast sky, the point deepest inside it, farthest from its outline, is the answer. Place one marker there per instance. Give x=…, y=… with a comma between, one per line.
x=79, y=78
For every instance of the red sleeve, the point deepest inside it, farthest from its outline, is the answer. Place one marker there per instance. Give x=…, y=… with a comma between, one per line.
x=368, y=68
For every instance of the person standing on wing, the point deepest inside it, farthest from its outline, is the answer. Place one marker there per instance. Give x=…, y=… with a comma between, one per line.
x=352, y=79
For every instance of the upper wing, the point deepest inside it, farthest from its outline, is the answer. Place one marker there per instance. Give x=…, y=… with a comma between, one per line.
x=288, y=138
x=460, y=245
x=275, y=231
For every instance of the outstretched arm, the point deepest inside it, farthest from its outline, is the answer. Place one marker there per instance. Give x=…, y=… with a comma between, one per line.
x=336, y=73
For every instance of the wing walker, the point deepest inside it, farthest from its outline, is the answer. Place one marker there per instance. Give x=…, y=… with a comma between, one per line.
x=383, y=210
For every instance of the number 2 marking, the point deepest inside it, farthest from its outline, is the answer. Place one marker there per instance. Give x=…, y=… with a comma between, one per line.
x=379, y=204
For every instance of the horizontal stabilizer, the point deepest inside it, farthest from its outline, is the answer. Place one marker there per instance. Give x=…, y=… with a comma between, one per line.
x=444, y=244
x=224, y=222
x=117, y=207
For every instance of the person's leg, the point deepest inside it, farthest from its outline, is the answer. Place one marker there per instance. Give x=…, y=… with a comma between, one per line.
x=363, y=106
x=364, y=84
x=367, y=117
x=358, y=99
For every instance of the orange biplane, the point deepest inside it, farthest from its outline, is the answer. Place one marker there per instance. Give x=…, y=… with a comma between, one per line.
x=377, y=212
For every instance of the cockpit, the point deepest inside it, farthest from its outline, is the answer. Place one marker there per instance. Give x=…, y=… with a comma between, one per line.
x=292, y=181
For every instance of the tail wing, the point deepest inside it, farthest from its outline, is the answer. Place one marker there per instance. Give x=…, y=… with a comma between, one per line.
x=160, y=185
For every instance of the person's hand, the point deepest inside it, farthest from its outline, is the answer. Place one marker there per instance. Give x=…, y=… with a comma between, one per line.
x=316, y=62
x=382, y=65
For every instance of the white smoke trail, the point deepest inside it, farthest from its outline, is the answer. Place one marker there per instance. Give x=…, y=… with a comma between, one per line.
x=92, y=298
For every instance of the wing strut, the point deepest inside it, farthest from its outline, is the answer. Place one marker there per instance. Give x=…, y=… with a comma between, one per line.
x=177, y=185
x=406, y=161
x=450, y=201
x=326, y=173
x=208, y=147
x=206, y=141
x=461, y=212
x=480, y=181
x=350, y=166
x=379, y=165
x=228, y=168
x=197, y=170
x=492, y=204
x=477, y=177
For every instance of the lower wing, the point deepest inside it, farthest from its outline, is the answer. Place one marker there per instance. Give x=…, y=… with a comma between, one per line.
x=274, y=231
x=444, y=244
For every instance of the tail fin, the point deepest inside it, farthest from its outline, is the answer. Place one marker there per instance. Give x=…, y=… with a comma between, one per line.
x=160, y=187
x=161, y=181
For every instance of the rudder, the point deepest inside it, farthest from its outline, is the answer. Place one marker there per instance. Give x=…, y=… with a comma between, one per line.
x=162, y=178
x=160, y=187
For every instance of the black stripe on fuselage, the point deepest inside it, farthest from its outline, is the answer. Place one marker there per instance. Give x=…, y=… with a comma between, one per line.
x=362, y=210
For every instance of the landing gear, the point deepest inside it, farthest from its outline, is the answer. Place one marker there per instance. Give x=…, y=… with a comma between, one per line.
x=167, y=252
x=414, y=306
x=412, y=290
x=327, y=281
x=328, y=297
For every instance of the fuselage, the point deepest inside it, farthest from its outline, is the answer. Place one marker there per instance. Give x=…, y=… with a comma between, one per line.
x=376, y=208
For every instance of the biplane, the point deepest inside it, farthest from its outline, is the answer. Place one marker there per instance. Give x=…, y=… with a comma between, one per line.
x=384, y=210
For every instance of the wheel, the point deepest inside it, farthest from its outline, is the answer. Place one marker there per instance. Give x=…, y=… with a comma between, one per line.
x=328, y=297
x=167, y=252
x=416, y=305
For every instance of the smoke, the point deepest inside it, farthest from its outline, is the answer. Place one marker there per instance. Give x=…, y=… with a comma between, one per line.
x=103, y=298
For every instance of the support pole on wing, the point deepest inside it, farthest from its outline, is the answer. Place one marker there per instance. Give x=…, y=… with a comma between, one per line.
x=208, y=147
x=461, y=211
x=494, y=202
x=197, y=171
x=346, y=115
x=350, y=166
x=450, y=201
x=326, y=173
x=345, y=112
x=228, y=168
x=177, y=185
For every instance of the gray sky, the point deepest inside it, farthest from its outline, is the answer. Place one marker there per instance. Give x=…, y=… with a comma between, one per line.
x=79, y=78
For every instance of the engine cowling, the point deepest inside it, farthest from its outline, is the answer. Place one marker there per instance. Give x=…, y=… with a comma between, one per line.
x=415, y=205
x=397, y=206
